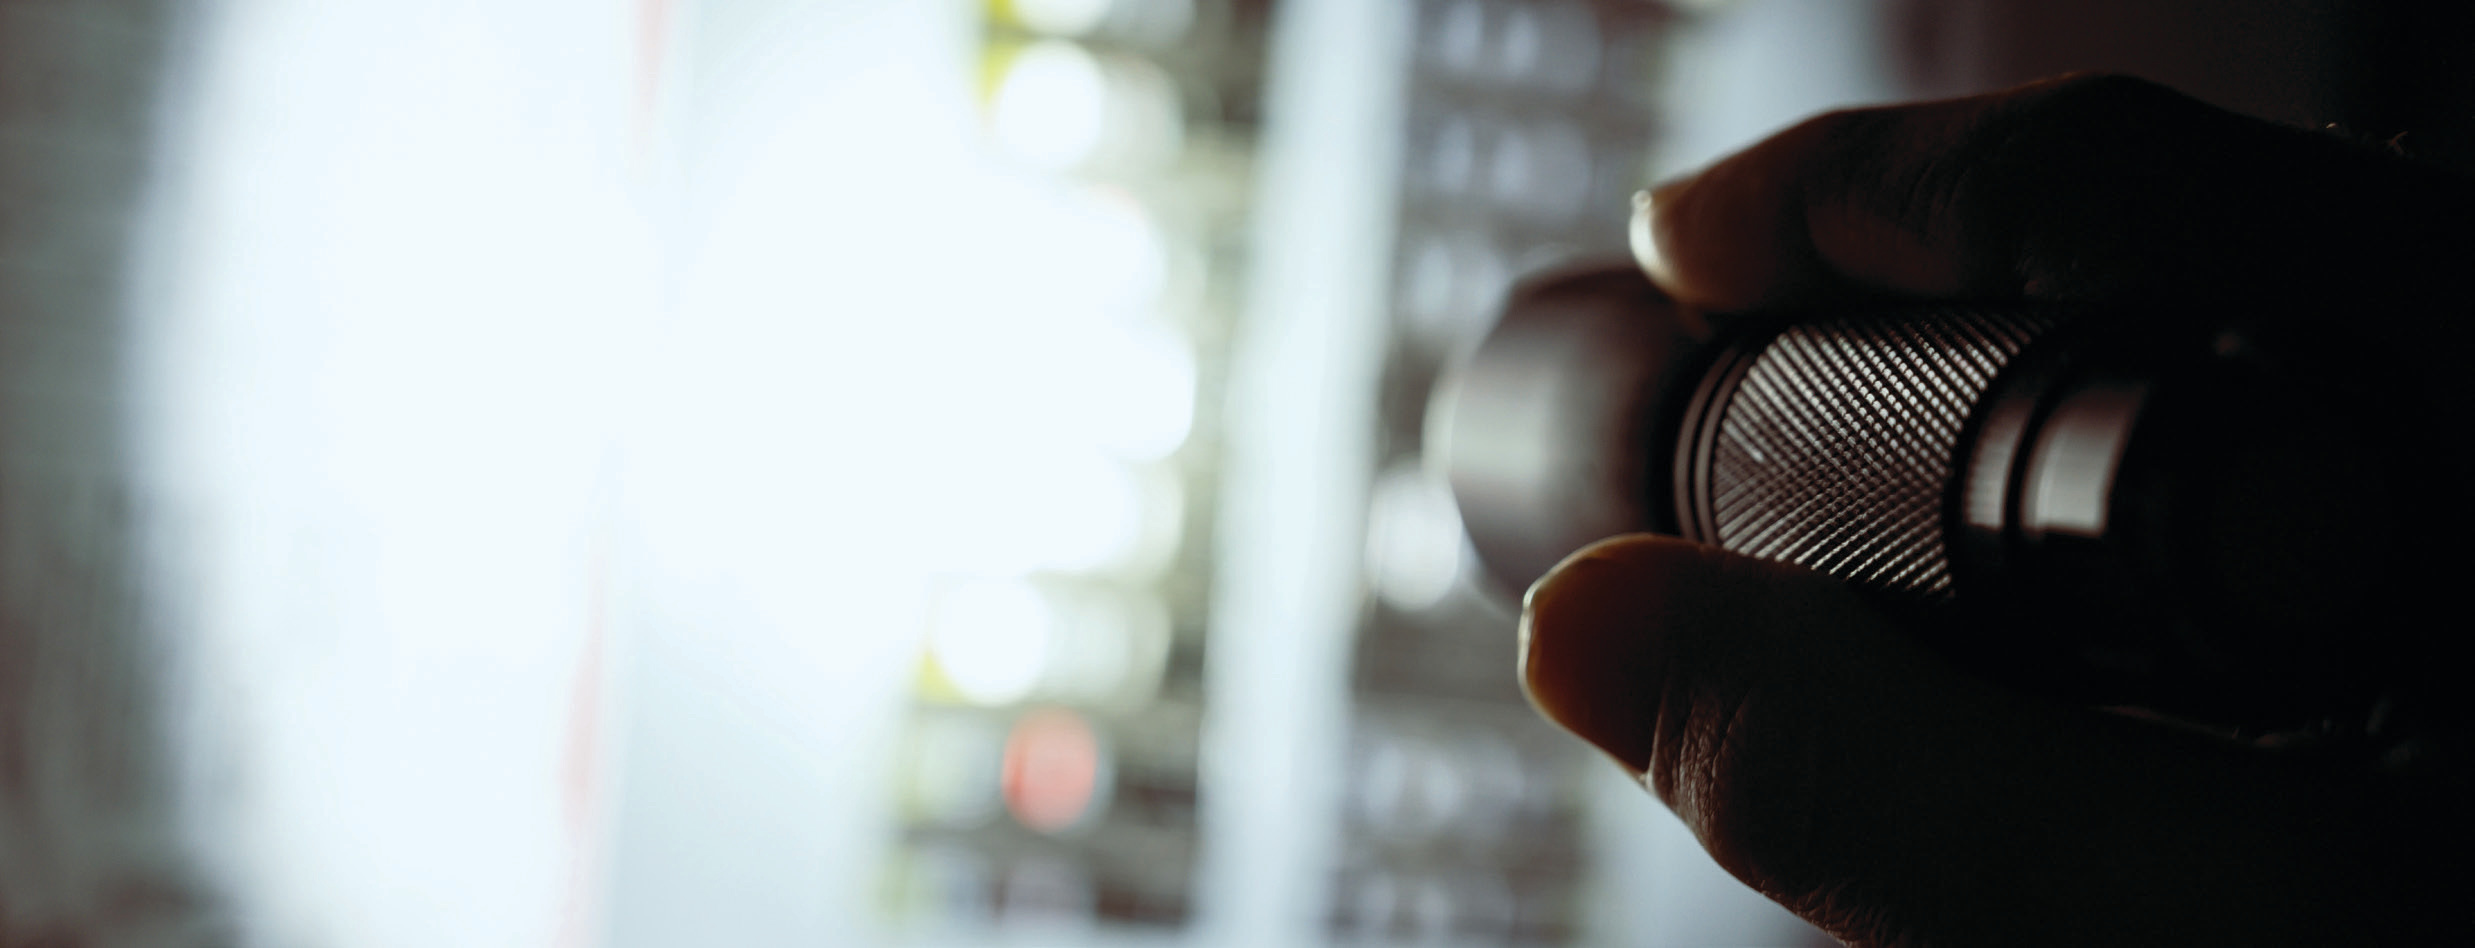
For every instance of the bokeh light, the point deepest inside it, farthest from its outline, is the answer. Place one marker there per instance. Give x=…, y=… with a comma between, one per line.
x=1052, y=106
x=1058, y=106
x=990, y=638
x=1055, y=770
x=1414, y=539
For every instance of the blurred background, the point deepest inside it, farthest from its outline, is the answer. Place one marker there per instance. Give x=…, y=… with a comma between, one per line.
x=906, y=472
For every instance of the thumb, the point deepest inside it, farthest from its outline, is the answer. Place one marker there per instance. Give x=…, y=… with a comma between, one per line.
x=1830, y=762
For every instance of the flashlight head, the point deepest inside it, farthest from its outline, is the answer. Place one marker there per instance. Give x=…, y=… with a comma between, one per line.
x=1544, y=430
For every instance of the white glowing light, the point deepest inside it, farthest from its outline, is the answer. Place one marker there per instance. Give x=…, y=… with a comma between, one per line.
x=991, y=638
x=1052, y=107
x=400, y=261
x=1010, y=640
x=1019, y=508
x=1051, y=255
x=457, y=341
x=992, y=425
x=1414, y=539
x=1057, y=382
x=1119, y=239
x=1078, y=512
x=1059, y=107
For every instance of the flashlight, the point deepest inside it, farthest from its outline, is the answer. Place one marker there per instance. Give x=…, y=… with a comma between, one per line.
x=2176, y=511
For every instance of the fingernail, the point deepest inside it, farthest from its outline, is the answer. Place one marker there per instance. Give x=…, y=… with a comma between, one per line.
x=1584, y=656
x=1646, y=244
x=1644, y=234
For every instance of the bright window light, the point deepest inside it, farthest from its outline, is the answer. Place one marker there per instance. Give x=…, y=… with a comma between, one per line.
x=403, y=254
x=472, y=357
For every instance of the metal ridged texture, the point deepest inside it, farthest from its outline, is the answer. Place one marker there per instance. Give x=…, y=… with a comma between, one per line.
x=1836, y=450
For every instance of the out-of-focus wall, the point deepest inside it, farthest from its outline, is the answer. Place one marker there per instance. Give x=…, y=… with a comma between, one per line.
x=91, y=843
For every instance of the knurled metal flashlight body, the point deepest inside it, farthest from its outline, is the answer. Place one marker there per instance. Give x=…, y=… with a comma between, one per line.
x=2063, y=475
x=2105, y=505
x=1833, y=442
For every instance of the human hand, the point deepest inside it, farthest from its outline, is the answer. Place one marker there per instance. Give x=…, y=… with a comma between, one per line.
x=1824, y=757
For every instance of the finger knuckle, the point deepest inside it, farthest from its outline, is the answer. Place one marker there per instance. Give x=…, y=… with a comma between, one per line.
x=2100, y=96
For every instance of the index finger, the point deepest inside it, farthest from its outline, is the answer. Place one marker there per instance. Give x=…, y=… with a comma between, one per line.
x=2088, y=188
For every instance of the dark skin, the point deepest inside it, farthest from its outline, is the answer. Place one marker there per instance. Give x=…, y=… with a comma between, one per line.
x=1829, y=761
